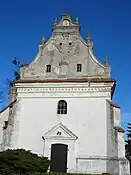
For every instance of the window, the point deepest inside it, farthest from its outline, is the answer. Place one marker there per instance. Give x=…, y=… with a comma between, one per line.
x=5, y=125
x=62, y=107
x=48, y=68
x=79, y=67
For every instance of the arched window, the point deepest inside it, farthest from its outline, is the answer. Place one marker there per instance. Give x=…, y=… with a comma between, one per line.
x=48, y=68
x=79, y=67
x=62, y=107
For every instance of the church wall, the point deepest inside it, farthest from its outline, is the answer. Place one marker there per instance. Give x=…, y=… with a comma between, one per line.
x=112, y=142
x=123, y=162
x=121, y=145
x=117, y=117
x=39, y=114
x=92, y=165
x=81, y=119
x=112, y=164
x=3, y=117
x=13, y=127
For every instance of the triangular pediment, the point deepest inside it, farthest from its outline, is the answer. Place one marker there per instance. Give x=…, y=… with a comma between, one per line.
x=60, y=132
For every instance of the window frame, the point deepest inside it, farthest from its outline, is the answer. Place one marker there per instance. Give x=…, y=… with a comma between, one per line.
x=5, y=125
x=62, y=107
x=79, y=67
x=48, y=68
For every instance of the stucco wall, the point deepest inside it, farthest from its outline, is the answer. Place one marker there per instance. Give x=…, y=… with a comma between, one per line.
x=117, y=117
x=91, y=165
x=87, y=119
x=112, y=141
x=3, y=117
x=13, y=127
x=40, y=114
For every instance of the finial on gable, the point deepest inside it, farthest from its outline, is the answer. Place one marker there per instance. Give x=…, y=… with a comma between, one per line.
x=43, y=41
x=89, y=40
x=42, y=44
x=25, y=63
x=67, y=17
x=77, y=20
x=107, y=62
x=55, y=23
x=107, y=68
x=88, y=36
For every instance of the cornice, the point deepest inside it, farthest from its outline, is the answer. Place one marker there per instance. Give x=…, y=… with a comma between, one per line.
x=62, y=89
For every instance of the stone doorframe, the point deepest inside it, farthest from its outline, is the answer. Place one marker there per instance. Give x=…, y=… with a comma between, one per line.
x=62, y=135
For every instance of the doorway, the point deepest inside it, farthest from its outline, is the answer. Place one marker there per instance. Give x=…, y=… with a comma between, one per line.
x=59, y=158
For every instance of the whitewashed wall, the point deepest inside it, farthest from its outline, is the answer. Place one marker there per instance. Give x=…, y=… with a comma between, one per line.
x=86, y=118
x=40, y=115
x=88, y=122
x=112, y=141
x=3, y=117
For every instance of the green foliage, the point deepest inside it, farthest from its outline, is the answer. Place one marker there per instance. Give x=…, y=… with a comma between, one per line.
x=51, y=173
x=18, y=65
x=21, y=162
x=128, y=142
x=17, y=75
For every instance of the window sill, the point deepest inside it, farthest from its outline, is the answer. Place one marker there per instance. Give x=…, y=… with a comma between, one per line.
x=59, y=115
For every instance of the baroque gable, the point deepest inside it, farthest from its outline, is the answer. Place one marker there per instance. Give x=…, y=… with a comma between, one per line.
x=63, y=52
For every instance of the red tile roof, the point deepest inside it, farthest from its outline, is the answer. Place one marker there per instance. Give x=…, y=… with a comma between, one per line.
x=119, y=129
x=113, y=104
x=77, y=80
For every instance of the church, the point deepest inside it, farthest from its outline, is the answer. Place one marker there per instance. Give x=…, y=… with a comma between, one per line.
x=61, y=107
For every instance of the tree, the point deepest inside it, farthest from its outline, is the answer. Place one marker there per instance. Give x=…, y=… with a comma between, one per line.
x=22, y=162
x=128, y=144
x=18, y=65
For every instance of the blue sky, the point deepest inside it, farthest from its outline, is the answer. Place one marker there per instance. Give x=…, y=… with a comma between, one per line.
x=24, y=22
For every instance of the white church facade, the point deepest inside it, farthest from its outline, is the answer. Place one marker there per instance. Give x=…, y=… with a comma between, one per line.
x=62, y=108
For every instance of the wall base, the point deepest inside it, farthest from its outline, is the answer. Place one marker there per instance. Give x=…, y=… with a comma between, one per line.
x=99, y=165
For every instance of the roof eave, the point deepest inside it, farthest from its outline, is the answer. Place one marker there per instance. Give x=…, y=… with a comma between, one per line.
x=76, y=80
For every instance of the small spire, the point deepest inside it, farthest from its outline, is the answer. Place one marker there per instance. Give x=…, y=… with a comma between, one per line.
x=77, y=20
x=107, y=62
x=26, y=63
x=89, y=40
x=55, y=22
x=43, y=41
x=88, y=36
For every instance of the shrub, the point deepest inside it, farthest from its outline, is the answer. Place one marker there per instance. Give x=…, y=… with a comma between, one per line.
x=20, y=161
